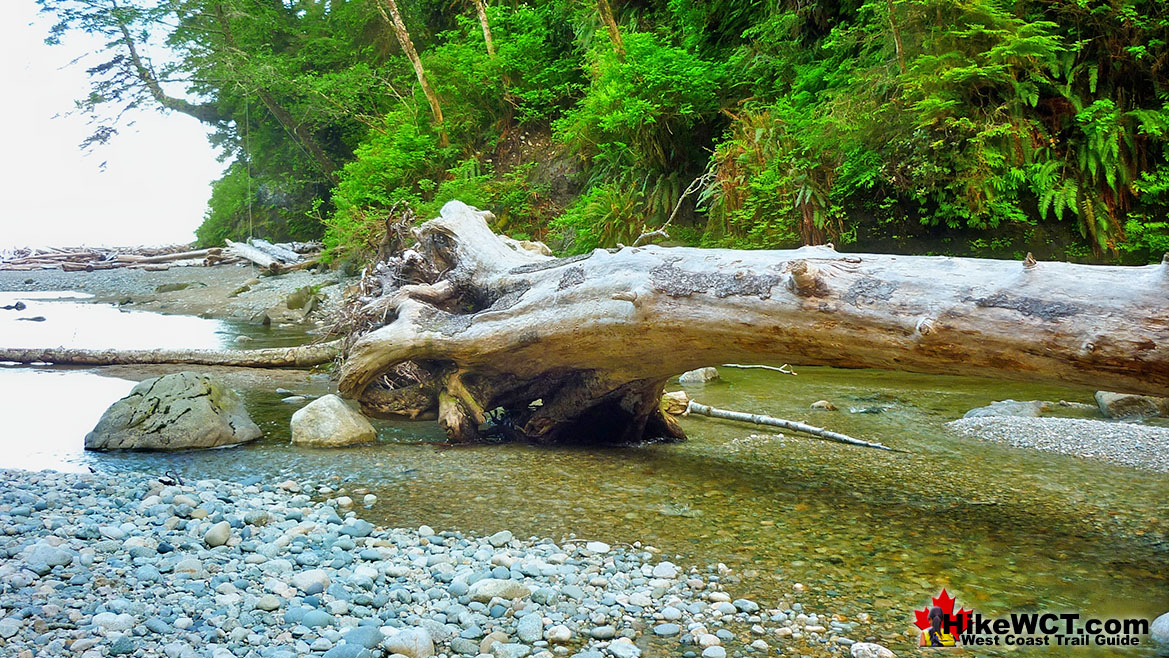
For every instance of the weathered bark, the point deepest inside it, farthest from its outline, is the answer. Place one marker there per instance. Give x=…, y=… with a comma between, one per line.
x=272, y=357
x=578, y=348
x=395, y=19
x=481, y=9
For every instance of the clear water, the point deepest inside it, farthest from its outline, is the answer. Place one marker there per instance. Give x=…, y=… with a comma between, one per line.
x=864, y=531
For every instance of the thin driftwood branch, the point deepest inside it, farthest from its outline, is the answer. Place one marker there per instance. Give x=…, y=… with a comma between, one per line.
x=661, y=232
x=785, y=368
x=790, y=425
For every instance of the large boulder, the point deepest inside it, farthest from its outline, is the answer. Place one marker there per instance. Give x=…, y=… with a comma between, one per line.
x=174, y=412
x=1033, y=409
x=1025, y=409
x=699, y=376
x=330, y=423
x=1131, y=407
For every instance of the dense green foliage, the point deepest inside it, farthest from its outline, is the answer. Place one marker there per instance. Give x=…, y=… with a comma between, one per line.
x=952, y=126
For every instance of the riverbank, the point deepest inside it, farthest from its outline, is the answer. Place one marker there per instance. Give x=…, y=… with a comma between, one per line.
x=126, y=565
x=221, y=291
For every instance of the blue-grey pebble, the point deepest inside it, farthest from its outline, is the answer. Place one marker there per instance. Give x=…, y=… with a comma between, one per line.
x=348, y=651
x=317, y=618
x=359, y=528
x=667, y=630
x=366, y=636
x=746, y=605
x=122, y=646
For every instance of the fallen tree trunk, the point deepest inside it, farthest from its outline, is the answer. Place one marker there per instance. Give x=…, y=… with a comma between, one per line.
x=579, y=348
x=272, y=357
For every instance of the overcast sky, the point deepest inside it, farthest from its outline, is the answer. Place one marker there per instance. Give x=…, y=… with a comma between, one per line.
x=157, y=178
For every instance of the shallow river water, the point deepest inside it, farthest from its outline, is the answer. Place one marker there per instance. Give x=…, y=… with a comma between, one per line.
x=860, y=531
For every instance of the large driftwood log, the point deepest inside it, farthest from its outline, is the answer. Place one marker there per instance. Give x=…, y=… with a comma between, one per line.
x=271, y=357
x=283, y=254
x=579, y=348
x=263, y=260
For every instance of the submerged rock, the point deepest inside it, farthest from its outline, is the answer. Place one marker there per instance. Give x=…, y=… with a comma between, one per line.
x=329, y=422
x=1025, y=409
x=174, y=412
x=699, y=376
x=1131, y=407
x=870, y=650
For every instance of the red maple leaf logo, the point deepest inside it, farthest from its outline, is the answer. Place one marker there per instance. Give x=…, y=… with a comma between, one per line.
x=946, y=603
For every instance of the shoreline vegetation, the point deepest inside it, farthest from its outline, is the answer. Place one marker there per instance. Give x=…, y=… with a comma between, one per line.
x=984, y=128
x=128, y=565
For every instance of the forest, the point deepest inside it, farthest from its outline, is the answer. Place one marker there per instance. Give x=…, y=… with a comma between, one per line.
x=951, y=127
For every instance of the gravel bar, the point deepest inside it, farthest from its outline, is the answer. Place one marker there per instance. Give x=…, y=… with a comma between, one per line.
x=1130, y=444
x=99, y=565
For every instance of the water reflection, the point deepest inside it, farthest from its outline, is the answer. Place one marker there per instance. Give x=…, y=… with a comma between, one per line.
x=864, y=531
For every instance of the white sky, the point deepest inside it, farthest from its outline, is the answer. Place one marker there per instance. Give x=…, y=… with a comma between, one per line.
x=158, y=172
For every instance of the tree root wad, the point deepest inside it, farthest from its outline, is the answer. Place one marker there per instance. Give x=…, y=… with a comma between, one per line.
x=492, y=338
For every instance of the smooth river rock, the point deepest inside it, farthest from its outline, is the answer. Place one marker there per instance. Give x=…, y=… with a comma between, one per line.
x=411, y=642
x=489, y=588
x=174, y=412
x=328, y=422
x=218, y=534
x=1159, y=631
x=870, y=650
x=699, y=376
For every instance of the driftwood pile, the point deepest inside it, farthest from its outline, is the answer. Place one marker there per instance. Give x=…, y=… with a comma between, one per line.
x=272, y=258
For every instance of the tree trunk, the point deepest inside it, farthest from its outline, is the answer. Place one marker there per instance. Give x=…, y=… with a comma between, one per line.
x=272, y=357
x=896, y=37
x=611, y=25
x=481, y=9
x=205, y=112
x=297, y=130
x=395, y=19
x=579, y=348
x=302, y=135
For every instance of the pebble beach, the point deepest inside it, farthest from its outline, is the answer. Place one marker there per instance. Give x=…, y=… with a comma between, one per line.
x=128, y=565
